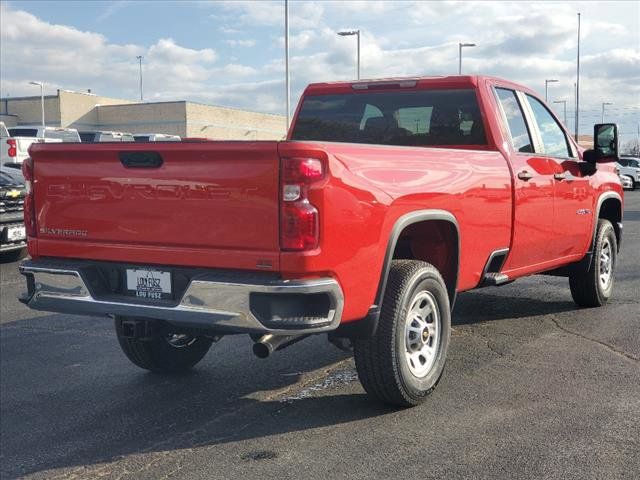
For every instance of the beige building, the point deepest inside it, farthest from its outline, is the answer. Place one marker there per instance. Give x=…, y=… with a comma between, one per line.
x=86, y=111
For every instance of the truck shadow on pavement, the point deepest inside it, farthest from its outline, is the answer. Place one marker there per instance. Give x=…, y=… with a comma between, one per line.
x=488, y=305
x=71, y=400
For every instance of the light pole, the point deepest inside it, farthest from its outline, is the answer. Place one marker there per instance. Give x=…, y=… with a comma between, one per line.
x=578, y=83
x=460, y=47
x=139, y=57
x=347, y=33
x=603, y=105
x=41, y=85
x=546, y=88
x=286, y=61
x=564, y=103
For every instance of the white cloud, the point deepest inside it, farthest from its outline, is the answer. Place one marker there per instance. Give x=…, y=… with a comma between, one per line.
x=167, y=50
x=240, y=43
x=525, y=42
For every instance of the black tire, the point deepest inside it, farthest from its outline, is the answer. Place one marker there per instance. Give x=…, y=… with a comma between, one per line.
x=382, y=363
x=13, y=255
x=157, y=354
x=587, y=289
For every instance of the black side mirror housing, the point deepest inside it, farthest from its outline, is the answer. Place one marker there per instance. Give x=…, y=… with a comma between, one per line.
x=605, y=144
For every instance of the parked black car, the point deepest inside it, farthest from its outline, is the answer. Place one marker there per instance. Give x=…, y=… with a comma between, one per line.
x=12, y=192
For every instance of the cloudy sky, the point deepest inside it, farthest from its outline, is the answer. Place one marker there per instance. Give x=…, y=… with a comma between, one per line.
x=232, y=53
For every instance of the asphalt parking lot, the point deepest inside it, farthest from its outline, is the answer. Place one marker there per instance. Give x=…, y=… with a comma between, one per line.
x=534, y=388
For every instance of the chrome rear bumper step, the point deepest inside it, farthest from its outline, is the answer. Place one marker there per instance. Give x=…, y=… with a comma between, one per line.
x=250, y=303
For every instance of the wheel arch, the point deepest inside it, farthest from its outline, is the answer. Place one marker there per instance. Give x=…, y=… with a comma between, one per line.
x=367, y=327
x=609, y=207
x=437, y=219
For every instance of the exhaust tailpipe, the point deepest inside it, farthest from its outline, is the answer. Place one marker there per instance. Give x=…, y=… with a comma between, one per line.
x=269, y=343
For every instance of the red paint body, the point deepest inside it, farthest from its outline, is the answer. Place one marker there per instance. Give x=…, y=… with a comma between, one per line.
x=216, y=204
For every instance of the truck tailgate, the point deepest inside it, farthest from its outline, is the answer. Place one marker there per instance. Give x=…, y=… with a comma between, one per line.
x=207, y=198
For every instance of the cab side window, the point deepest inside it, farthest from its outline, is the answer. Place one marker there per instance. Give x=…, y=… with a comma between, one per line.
x=520, y=136
x=554, y=141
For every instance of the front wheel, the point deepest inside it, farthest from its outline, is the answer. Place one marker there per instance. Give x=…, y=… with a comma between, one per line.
x=163, y=351
x=594, y=287
x=404, y=360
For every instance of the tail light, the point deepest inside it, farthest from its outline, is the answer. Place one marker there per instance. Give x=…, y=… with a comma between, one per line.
x=299, y=222
x=29, y=206
x=13, y=150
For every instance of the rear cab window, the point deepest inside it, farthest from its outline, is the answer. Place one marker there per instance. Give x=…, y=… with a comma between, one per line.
x=64, y=135
x=438, y=117
x=23, y=132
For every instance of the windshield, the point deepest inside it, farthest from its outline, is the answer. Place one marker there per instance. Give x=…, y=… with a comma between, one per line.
x=423, y=118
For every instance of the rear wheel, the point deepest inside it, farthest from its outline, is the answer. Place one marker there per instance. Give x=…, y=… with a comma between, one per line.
x=594, y=287
x=403, y=362
x=163, y=350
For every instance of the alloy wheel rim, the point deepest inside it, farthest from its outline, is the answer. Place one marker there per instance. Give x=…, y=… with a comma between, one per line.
x=422, y=334
x=606, y=264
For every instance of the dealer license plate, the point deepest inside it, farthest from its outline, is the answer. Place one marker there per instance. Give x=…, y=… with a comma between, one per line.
x=151, y=284
x=16, y=233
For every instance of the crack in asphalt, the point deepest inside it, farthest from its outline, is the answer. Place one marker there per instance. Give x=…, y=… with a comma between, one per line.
x=609, y=347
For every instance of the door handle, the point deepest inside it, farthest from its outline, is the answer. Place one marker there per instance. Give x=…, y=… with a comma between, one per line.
x=524, y=175
x=560, y=176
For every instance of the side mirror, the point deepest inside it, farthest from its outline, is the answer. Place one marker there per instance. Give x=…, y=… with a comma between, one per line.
x=605, y=144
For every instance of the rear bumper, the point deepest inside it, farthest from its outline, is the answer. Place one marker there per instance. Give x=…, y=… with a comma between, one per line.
x=213, y=300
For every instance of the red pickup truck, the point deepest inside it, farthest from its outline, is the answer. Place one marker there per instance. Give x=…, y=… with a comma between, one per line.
x=387, y=198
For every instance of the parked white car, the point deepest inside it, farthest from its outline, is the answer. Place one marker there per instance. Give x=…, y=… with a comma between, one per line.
x=630, y=167
x=626, y=182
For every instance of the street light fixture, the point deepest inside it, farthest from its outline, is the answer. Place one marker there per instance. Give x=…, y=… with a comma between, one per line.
x=287, y=77
x=460, y=47
x=41, y=85
x=140, y=57
x=564, y=102
x=603, y=105
x=347, y=33
x=546, y=88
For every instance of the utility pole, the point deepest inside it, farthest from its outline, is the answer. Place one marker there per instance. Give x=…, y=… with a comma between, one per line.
x=603, y=105
x=41, y=85
x=139, y=57
x=286, y=60
x=546, y=88
x=348, y=33
x=564, y=103
x=578, y=84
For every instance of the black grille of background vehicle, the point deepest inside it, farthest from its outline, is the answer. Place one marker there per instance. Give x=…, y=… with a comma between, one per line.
x=8, y=204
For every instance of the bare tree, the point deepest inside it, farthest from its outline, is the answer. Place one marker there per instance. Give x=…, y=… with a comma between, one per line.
x=632, y=147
